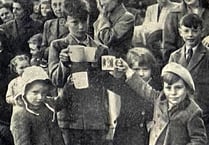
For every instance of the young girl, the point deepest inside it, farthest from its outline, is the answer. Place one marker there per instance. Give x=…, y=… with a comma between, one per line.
x=17, y=64
x=135, y=111
x=177, y=119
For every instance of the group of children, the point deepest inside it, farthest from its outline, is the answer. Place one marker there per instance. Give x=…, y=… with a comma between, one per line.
x=79, y=116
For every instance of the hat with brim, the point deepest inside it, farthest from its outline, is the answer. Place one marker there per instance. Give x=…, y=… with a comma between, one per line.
x=181, y=71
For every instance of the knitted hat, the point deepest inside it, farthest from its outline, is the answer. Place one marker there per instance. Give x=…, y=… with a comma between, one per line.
x=181, y=71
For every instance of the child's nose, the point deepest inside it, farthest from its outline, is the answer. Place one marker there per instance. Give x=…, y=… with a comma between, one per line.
x=173, y=91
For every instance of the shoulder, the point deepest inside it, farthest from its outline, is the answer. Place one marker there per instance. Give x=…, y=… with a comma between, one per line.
x=50, y=22
x=177, y=52
x=151, y=7
x=193, y=109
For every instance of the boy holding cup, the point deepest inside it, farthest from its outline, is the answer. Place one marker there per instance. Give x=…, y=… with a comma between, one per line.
x=83, y=116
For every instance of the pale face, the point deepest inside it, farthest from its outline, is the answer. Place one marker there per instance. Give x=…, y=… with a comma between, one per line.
x=36, y=93
x=45, y=9
x=190, y=36
x=36, y=7
x=77, y=28
x=33, y=48
x=6, y=15
x=58, y=7
x=175, y=93
x=192, y=2
x=108, y=5
x=18, y=11
x=143, y=71
x=21, y=65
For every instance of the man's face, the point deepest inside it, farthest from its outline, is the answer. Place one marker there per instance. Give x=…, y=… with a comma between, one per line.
x=18, y=11
x=77, y=27
x=190, y=36
x=37, y=93
x=6, y=15
x=176, y=92
x=58, y=7
x=108, y=5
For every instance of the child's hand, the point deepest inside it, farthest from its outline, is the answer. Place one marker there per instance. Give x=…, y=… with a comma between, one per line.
x=64, y=56
x=205, y=41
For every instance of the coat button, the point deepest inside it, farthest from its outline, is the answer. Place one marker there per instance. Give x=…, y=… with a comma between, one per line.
x=141, y=125
x=143, y=113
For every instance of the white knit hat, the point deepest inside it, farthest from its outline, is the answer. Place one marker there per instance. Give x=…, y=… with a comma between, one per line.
x=181, y=71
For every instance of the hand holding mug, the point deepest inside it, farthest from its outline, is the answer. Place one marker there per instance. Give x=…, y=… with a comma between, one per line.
x=63, y=56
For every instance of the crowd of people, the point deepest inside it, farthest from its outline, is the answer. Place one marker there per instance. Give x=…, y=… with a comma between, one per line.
x=99, y=72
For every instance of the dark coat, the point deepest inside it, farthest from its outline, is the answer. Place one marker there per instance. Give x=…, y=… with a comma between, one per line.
x=81, y=108
x=116, y=31
x=199, y=69
x=182, y=125
x=18, y=34
x=53, y=29
x=171, y=39
x=31, y=129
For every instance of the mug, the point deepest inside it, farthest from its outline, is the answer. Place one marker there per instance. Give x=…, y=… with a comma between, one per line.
x=76, y=53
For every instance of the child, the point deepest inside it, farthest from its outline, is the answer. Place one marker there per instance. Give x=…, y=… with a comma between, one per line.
x=17, y=64
x=177, y=119
x=83, y=118
x=195, y=57
x=36, y=52
x=31, y=122
x=136, y=111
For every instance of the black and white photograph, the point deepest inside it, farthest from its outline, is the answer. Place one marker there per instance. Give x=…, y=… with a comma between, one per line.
x=104, y=72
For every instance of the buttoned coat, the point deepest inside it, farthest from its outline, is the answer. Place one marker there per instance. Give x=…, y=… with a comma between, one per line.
x=199, y=69
x=171, y=38
x=115, y=31
x=182, y=125
x=80, y=108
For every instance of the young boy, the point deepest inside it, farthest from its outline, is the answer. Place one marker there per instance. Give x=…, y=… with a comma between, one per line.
x=83, y=118
x=195, y=57
x=31, y=122
x=177, y=119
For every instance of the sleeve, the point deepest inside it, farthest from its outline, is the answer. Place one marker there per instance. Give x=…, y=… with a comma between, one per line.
x=45, y=32
x=170, y=35
x=196, y=130
x=147, y=16
x=106, y=32
x=10, y=93
x=58, y=71
x=20, y=128
x=142, y=88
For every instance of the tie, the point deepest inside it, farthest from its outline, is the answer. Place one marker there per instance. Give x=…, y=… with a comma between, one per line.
x=189, y=55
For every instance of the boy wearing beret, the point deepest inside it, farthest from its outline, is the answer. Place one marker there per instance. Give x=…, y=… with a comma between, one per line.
x=195, y=57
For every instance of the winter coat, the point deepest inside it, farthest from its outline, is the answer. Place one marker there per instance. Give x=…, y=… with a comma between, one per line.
x=116, y=31
x=182, y=125
x=29, y=128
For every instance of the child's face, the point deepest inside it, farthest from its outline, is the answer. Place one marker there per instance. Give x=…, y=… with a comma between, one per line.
x=36, y=93
x=190, y=36
x=176, y=92
x=20, y=66
x=33, y=48
x=35, y=6
x=77, y=28
x=144, y=72
x=45, y=9
x=58, y=7
x=18, y=11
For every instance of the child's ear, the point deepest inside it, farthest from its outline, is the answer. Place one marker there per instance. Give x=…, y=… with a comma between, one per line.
x=180, y=31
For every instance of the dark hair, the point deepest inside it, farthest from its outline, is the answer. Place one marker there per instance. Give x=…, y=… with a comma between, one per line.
x=7, y=6
x=27, y=5
x=141, y=56
x=77, y=9
x=191, y=21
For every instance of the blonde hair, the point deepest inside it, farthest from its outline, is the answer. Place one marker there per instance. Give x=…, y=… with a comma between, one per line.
x=16, y=59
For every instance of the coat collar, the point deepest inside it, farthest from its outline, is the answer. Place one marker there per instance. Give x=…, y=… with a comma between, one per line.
x=117, y=12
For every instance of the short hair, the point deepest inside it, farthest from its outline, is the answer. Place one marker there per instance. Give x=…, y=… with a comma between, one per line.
x=14, y=61
x=77, y=9
x=27, y=5
x=37, y=38
x=141, y=56
x=191, y=21
x=7, y=6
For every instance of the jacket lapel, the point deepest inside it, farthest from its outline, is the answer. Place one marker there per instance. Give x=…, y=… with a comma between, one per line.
x=182, y=58
x=197, y=57
x=54, y=28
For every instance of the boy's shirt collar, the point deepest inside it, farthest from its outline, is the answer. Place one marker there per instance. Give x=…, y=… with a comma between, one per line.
x=85, y=42
x=193, y=49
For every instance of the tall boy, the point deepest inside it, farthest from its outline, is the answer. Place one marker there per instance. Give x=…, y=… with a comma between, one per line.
x=195, y=57
x=83, y=116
